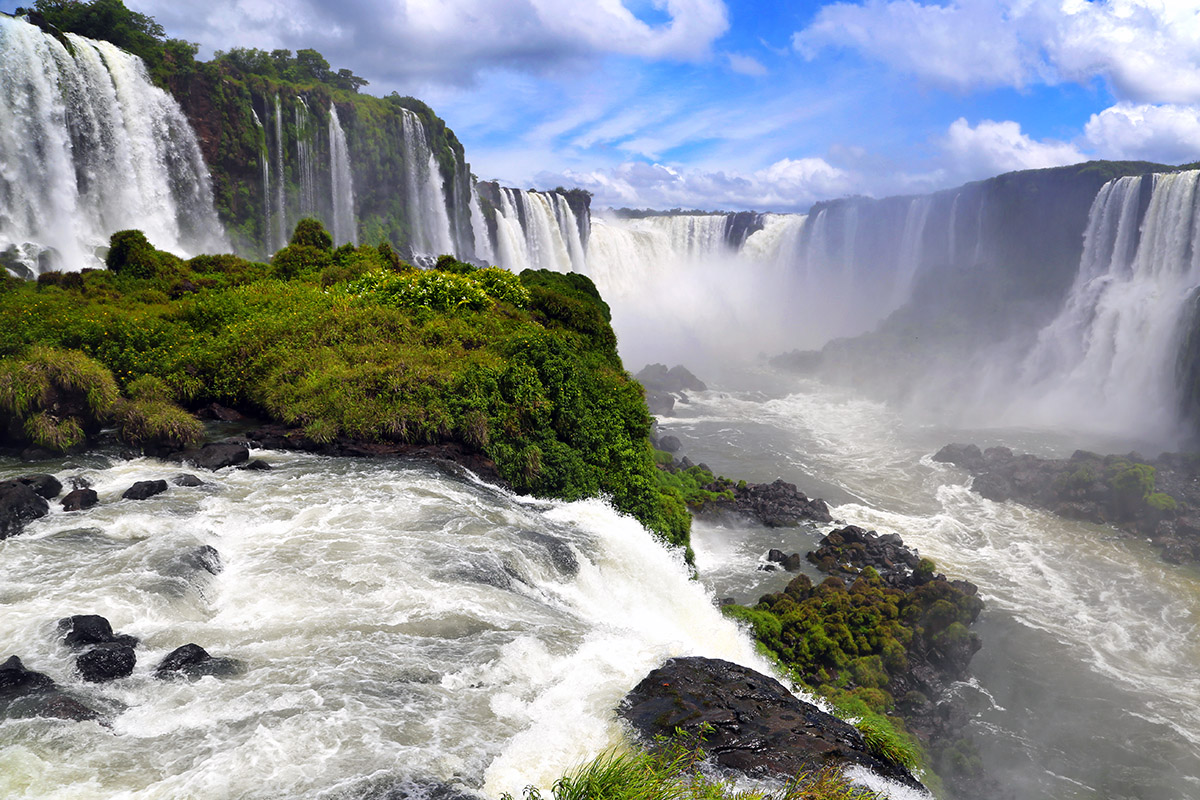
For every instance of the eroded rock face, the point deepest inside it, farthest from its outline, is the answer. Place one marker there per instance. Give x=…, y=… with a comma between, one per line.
x=757, y=725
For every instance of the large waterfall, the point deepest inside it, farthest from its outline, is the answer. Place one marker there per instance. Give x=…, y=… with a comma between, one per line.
x=89, y=146
x=1109, y=358
x=425, y=192
x=538, y=230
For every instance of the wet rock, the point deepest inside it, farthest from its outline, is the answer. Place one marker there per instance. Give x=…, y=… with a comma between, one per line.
x=967, y=456
x=144, y=490
x=204, y=557
x=670, y=444
x=775, y=505
x=256, y=465
x=560, y=553
x=789, y=562
x=45, y=486
x=19, y=505
x=993, y=486
x=675, y=380
x=193, y=662
x=80, y=500
x=660, y=404
x=82, y=630
x=25, y=693
x=215, y=455
x=757, y=726
x=33, y=453
x=186, y=479
x=106, y=662
x=215, y=411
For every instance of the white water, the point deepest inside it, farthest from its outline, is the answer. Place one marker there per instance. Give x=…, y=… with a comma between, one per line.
x=1108, y=360
x=1086, y=686
x=538, y=230
x=279, y=209
x=88, y=146
x=398, y=626
x=345, y=226
x=305, y=162
x=424, y=191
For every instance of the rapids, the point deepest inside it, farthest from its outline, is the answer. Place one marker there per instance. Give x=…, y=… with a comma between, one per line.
x=403, y=629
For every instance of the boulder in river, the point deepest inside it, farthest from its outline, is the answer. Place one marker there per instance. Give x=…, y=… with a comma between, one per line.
x=215, y=455
x=80, y=500
x=192, y=662
x=748, y=721
x=25, y=693
x=106, y=662
x=82, y=630
x=144, y=490
x=19, y=505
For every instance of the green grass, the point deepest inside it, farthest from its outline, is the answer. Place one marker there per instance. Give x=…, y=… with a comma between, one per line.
x=671, y=770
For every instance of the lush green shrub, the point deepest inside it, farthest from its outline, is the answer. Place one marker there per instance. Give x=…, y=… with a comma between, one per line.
x=156, y=422
x=310, y=232
x=130, y=253
x=1161, y=502
x=56, y=396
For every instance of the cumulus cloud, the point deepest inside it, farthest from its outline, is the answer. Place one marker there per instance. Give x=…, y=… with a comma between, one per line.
x=787, y=185
x=1168, y=134
x=447, y=41
x=994, y=147
x=1147, y=50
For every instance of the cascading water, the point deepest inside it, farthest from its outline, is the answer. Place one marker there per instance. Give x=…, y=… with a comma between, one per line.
x=538, y=230
x=345, y=227
x=265, y=157
x=401, y=631
x=425, y=192
x=1108, y=360
x=305, y=163
x=483, y=243
x=89, y=146
x=279, y=205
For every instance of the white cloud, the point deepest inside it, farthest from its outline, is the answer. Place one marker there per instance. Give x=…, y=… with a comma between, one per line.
x=447, y=41
x=787, y=185
x=1168, y=134
x=991, y=147
x=1147, y=50
x=746, y=65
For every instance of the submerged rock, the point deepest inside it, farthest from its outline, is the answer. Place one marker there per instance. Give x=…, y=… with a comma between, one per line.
x=186, y=479
x=25, y=693
x=755, y=725
x=193, y=662
x=215, y=455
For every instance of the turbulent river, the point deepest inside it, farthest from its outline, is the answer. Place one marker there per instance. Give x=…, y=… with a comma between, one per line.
x=407, y=630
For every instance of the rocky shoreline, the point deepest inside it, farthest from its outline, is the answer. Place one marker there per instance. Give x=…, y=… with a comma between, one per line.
x=1158, y=498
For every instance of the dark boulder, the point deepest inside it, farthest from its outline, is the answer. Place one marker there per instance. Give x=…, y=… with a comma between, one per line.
x=46, y=486
x=256, y=465
x=106, y=662
x=192, y=662
x=754, y=724
x=993, y=486
x=80, y=500
x=186, y=479
x=25, y=693
x=215, y=455
x=775, y=505
x=967, y=456
x=19, y=505
x=82, y=630
x=670, y=444
x=144, y=490
x=790, y=563
x=660, y=404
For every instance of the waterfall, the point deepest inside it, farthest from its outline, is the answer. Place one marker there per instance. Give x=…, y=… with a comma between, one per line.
x=345, y=227
x=425, y=192
x=1108, y=359
x=279, y=212
x=304, y=159
x=89, y=146
x=265, y=157
x=483, y=243
x=538, y=230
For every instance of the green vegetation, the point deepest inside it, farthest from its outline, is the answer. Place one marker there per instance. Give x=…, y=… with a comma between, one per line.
x=671, y=770
x=352, y=343
x=1133, y=487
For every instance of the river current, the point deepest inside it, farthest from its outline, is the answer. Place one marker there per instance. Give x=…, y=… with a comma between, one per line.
x=406, y=628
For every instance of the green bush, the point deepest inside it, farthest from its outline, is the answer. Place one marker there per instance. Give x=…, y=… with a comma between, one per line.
x=56, y=396
x=130, y=253
x=310, y=232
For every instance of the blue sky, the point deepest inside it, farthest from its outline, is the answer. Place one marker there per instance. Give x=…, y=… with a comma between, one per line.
x=764, y=105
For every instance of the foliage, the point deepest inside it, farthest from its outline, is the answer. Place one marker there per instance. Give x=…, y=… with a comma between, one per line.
x=55, y=395
x=311, y=233
x=672, y=770
x=156, y=422
x=130, y=253
x=341, y=344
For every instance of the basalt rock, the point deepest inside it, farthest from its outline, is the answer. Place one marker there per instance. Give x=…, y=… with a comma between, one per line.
x=1155, y=498
x=747, y=721
x=193, y=662
x=775, y=505
x=19, y=505
x=106, y=662
x=25, y=693
x=144, y=490
x=83, y=630
x=80, y=500
x=186, y=479
x=215, y=455
x=45, y=486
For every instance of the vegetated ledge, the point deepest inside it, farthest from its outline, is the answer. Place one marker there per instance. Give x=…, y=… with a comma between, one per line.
x=1156, y=498
x=347, y=346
